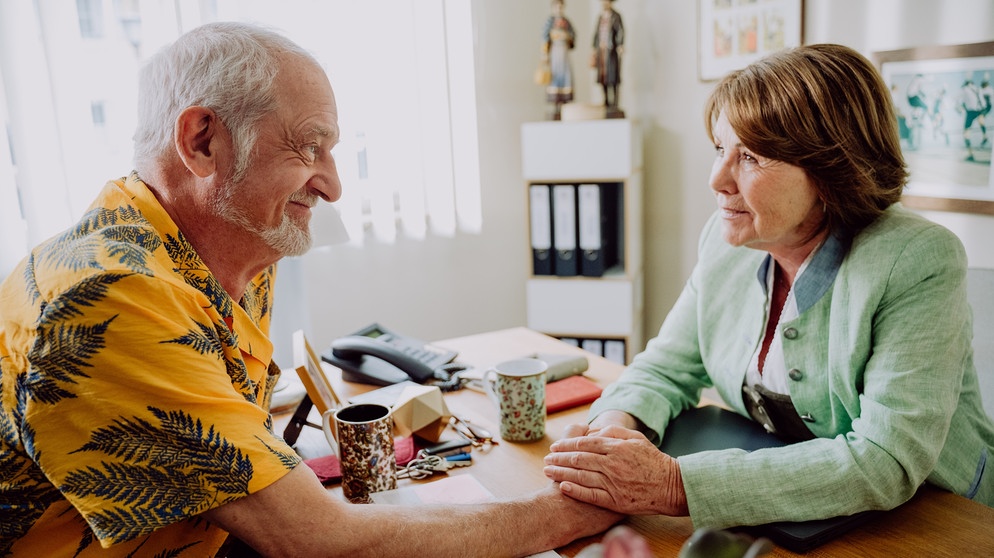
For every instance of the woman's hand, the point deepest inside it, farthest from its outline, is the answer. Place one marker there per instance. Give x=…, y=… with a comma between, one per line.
x=616, y=468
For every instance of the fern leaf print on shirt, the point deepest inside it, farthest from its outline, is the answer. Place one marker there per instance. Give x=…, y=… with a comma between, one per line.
x=159, y=472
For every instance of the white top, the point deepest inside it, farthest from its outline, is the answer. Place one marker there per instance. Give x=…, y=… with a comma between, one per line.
x=774, y=375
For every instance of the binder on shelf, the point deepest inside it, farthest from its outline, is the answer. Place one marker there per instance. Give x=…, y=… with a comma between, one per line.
x=614, y=350
x=541, y=229
x=598, y=226
x=595, y=346
x=564, y=230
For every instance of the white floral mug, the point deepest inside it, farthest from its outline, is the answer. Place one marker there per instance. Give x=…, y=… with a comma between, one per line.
x=517, y=388
x=361, y=436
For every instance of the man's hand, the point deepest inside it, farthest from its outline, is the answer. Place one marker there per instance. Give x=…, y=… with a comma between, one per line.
x=607, y=418
x=616, y=468
x=582, y=519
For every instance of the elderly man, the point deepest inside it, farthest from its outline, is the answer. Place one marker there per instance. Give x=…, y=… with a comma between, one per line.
x=135, y=367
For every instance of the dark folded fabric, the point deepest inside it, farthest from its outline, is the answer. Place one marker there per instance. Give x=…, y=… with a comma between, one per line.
x=328, y=470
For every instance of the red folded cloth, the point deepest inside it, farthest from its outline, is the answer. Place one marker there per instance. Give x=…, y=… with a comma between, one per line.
x=328, y=470
x=570, y=392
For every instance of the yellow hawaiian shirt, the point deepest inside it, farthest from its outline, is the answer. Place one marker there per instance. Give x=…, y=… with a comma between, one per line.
x=134, y=392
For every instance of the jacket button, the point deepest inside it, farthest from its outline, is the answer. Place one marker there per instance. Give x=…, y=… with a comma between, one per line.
x=795, y=374
x=806, y=417
x=790, y=333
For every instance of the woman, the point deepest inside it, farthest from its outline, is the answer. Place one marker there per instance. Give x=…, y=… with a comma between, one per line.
x=817, y=301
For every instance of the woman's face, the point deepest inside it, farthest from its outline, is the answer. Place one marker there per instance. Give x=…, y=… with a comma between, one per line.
x=765, y=204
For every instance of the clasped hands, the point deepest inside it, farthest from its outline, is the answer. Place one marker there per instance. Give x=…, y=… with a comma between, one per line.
x=610, y=464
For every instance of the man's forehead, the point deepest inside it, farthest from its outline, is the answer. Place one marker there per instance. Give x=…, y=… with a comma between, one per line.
x=304, y=77
x=308, y=102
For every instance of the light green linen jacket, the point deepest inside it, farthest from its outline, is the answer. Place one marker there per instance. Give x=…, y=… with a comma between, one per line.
x=886, y=372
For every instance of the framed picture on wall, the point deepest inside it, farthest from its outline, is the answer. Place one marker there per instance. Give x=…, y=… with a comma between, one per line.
x=942, y=97
x=734, y=33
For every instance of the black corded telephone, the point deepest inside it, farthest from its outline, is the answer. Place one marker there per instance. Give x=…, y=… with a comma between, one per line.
x=378, y=356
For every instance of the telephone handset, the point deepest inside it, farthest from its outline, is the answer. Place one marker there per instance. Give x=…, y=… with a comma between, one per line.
x=378, y=356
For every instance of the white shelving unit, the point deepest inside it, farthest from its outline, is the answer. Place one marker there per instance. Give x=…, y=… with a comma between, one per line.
x=584, y=152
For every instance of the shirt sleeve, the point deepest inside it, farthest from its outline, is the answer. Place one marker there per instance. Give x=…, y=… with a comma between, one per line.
x=144, y=409
x=668, y=376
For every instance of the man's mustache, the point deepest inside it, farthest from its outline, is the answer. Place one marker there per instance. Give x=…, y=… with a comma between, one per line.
x=310, y=200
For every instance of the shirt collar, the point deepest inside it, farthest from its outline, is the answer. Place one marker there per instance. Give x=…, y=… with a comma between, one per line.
x=248, y=322
x=819, y=274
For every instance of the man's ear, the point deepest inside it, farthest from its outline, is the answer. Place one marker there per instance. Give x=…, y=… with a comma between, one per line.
x=197, y=135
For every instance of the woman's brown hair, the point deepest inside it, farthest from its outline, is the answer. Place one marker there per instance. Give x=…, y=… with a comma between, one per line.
x=826, y=109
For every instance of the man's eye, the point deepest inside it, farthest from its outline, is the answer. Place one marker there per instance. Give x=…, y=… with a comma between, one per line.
x=312, y=150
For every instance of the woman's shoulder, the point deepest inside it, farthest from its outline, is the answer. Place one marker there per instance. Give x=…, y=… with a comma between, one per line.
x=899, y=227
x=901, y=235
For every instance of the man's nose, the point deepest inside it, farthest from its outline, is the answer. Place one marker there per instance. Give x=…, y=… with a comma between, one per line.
x=327, y=183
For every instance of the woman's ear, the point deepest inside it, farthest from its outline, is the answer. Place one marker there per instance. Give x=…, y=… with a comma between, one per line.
x=197, y=138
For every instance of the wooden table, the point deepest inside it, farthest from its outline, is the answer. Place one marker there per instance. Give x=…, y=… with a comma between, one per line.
x=934, y=522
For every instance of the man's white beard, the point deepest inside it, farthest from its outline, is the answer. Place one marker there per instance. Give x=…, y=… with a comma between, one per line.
x=287, y=238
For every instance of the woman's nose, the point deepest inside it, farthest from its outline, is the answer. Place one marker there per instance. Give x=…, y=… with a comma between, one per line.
x=721, y=177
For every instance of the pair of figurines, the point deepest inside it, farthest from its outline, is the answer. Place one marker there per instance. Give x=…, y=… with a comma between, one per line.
x=555, y=71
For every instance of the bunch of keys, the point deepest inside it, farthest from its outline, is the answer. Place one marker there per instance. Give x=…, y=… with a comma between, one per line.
x=479, y=437
x=427, y=465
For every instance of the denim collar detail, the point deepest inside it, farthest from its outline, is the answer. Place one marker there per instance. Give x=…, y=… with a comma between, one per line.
x=819, y=275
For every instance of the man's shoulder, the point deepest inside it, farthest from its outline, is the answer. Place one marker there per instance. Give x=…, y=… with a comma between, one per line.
x=103, y=237
x=103, y=247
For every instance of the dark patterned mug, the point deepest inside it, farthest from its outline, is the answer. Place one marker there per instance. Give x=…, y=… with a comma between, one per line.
x=362, y=437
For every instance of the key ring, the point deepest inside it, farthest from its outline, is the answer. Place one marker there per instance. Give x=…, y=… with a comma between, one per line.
x=422, y=467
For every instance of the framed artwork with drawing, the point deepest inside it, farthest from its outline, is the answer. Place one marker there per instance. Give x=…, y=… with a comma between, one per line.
x=942, y=97
x=734, y=33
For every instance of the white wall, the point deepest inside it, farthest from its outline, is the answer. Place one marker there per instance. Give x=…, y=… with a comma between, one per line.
x=449, y=287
